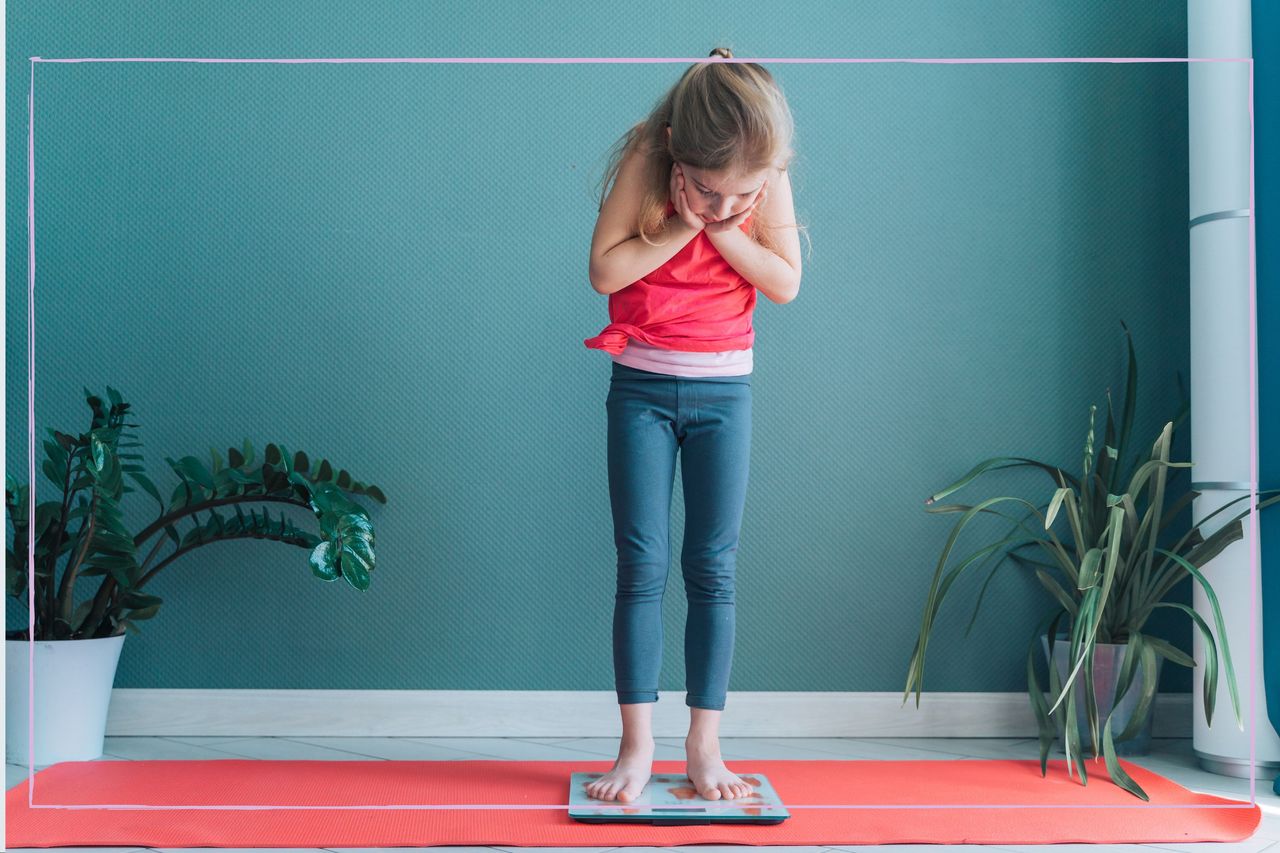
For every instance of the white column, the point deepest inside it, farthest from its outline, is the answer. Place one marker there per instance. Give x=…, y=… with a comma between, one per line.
x=1222, y=425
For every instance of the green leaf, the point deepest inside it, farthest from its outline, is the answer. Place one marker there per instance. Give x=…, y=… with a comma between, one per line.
x=1089, y=569
x=1210, y=667
x=1056, y=590
x=194, y=469
x=1038, y=705
x=1140, y=649
x=1130, y=396
x=150, y=487
x=1171, y=653
x=98, y=453
x=994, y=464
x=322, y=563
x=1058, y=496
x=1222, y=632
x=1121, y=778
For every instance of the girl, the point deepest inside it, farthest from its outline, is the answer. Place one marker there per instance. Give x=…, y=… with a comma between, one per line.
x=695, y=172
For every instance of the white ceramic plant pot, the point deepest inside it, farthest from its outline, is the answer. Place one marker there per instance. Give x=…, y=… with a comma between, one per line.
x=73, y=681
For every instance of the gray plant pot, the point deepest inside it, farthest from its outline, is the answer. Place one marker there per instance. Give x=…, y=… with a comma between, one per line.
x=1108, y=658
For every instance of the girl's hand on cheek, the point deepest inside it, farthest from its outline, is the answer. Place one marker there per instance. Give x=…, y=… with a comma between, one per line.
x=734, y=221
x=681, y=201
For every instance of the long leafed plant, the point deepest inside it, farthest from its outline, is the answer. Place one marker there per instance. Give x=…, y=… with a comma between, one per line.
x=1109, y=581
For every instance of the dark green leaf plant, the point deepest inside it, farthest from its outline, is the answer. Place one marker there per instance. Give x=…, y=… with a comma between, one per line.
x=83, y=529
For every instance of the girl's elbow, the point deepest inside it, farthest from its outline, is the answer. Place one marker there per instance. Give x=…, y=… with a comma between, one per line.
x=792, y=291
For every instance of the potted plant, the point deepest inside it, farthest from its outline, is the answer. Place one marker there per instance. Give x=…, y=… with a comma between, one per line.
x=1113, y=585
x=83, y=530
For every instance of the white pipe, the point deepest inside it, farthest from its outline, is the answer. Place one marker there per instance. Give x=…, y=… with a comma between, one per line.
x=1222, y=448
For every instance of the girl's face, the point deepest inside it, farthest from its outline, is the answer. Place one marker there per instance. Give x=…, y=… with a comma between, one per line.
x=714, y=195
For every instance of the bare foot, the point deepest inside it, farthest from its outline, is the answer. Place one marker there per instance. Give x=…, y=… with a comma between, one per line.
x=706, y=770
x=629, y=775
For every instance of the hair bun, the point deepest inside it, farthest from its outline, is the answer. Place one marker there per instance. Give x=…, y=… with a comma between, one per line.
x=722, y=52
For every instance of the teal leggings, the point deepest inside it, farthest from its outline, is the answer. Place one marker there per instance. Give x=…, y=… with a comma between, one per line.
x=652, y=416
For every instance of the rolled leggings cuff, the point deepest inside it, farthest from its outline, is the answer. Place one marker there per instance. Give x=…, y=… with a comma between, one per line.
x=710, y=703
x=632, y=697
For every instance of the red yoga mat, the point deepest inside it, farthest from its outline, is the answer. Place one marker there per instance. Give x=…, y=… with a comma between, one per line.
x=949, y=802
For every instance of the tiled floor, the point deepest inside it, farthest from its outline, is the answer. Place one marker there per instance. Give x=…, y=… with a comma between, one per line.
x=1170, y=757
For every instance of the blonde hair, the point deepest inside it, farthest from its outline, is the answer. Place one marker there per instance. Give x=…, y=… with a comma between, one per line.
x=725, y=117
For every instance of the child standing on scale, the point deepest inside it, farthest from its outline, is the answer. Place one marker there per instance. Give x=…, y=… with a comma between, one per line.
x=680, y=336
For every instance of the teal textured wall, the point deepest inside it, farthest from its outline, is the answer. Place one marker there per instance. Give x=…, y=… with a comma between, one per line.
x=385, y=265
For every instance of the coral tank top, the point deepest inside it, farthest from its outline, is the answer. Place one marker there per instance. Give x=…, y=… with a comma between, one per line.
x=695, y=302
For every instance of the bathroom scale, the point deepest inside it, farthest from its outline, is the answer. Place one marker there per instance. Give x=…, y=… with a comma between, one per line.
x=658, y=801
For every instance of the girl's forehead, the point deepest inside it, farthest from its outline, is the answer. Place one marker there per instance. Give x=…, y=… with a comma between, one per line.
x=723, y=183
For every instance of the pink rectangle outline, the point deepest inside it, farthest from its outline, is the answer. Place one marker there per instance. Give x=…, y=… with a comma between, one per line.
x=31, y=387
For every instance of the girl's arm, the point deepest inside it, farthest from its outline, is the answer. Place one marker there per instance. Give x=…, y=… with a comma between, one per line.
x=769, y=272
x=630, y=260
x=619, y=256
x=775, y=274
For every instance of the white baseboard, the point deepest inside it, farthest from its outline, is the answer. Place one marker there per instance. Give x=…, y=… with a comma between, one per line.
x=586, y=713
